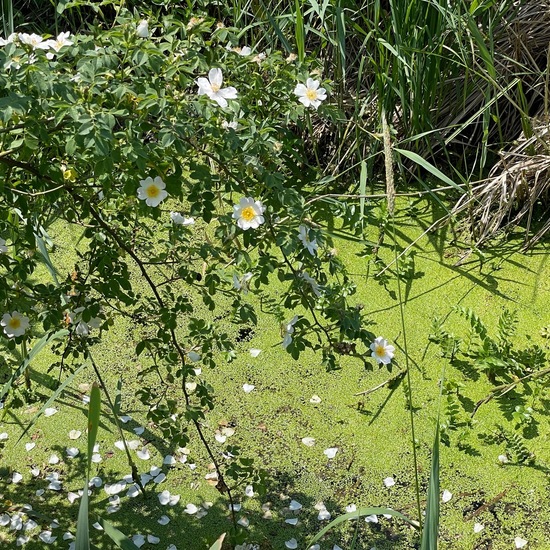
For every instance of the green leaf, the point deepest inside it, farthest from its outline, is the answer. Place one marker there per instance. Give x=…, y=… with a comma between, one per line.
x=431, y=523
x=118, y=537
x=46, y=256
x=362, y=190
x=38, y=347
x=429, y=167
x=360, y=512
x=93, y=421
x=82, y=541
x=218, y=544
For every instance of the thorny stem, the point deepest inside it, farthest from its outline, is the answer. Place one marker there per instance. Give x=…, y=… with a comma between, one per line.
x=221, y=485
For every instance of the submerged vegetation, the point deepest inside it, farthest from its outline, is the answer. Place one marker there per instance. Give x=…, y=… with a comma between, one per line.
x=274, y=277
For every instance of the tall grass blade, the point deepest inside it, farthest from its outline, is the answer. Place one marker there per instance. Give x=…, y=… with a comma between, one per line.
x=37, y=348
x=218, y=544
x=423, y=163
x=118, y=537
x=431, y=523
x=300, y=34
x=7, y=17
x=82, y=541
x=362, y=191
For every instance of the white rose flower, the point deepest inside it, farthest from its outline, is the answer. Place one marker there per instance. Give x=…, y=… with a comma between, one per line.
x=382, y=351
x=310, y=94
x=248, y=213
x=15, y=324
x=152, y=191
x=212, y=87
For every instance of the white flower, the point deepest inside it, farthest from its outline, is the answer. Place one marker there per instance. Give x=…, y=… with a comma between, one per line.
x=248, y=213
x=310, y=94
x=15, y=324
x=56, y=45
x=178, y=219
x=382, y=351
x=519, y=542
x=242, y=283
x=244, y=51
x=212, y=87
x=312, y=282
x=33, y=40
x=234, y=125
x=142, y=29
x=152, y=191
x=289, y=329
x=11, y=38
x=3, y=247
x=311, y=246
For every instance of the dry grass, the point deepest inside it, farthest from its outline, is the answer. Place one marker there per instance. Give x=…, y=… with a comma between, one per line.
x=519, y=180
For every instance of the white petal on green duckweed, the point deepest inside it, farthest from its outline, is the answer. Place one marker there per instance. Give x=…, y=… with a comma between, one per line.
x=151, y=539
x=446, y=496
x=119, y=445
x=4, y=436
x=71, y=497
x=389, y=482
x=75, y=434
x=323, y=515
x=248, y=387
x=97, y=526
x=191, y=509
x=16, y=477
x=115, y=488
x=291, y=521
x=22, y=540
x=96, y=458
x=294, y=505
x=133, y=491
x=330, y=452
x=478, y=527
x=155, y=471
x=72, y=452
x=172, y=547
x=292, y=544
x=236, y=507
x=373, y=518
x=96, y=482
x=160, y=478
x=54, y=459
x=519, y=542
x=308, y=441
x=35, y=472
x=4, y=520
x=144, y=454
x=47, y=537
x=125, y=418
x=40, y=492
x=169, y=460
x=50, y=411
x=133, y=444
x=139, y=430
x=315, y=399
x=138, y=540
x=163, y=520
x=249, y=491
x=29, y=446
x=68, y=536
x=351, y=508
x=255, y=352
x=244, y=522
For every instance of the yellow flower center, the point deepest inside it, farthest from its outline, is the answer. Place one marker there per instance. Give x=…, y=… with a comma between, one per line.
x=153, y=191
x=14, y=323
x=248, y=213
x=215, y=87
x=380, y=350
x=311, y=94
